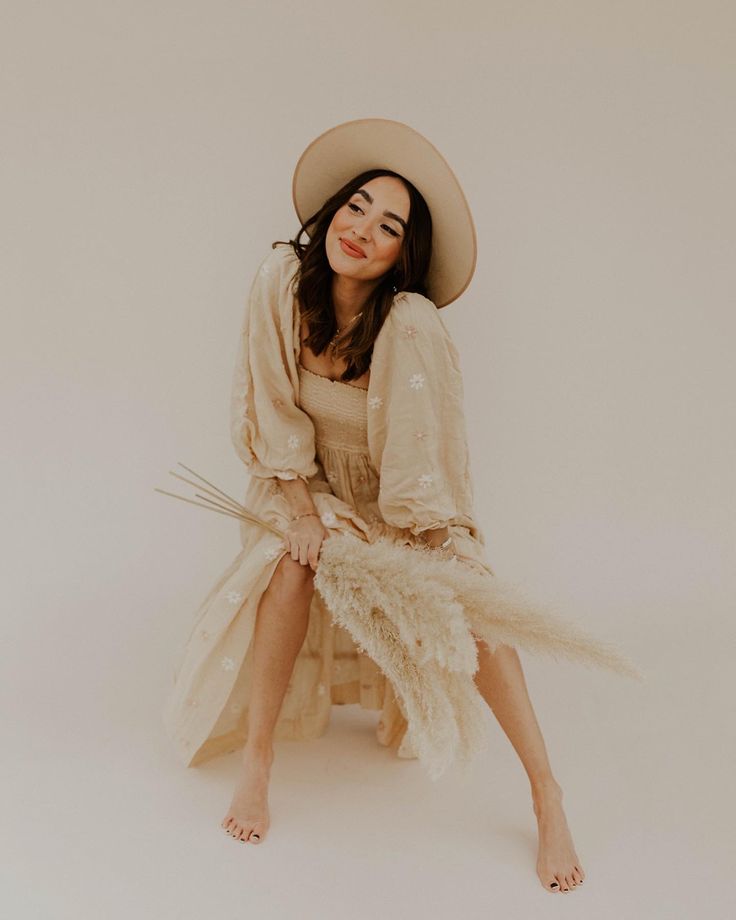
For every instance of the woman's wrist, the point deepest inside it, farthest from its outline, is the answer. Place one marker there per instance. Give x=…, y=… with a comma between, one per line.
x=445, y=549
x=299, y=498
x=435, y=538
x=296, y=517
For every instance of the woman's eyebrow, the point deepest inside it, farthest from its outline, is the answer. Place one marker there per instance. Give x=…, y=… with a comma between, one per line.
x=362, y=191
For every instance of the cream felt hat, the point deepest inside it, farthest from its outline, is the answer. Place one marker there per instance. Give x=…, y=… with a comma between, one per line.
x=349, y=148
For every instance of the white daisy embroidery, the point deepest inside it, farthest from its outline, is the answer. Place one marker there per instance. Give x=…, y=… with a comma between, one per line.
x=425, y=480
x=416, y=381
x=273, y=552
x=204, y=634
x=410, y=331
x=321, y=689
x=294, y=441
x=266, y=269
x=375, y=402
x=233, y=597
x=329, y=519
x=331, y=475
x=227, y=664
x=277, y=402
x=420, y=435
x=192, y=702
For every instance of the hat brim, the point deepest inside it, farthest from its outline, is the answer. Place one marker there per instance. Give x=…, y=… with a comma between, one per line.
x=346, y=150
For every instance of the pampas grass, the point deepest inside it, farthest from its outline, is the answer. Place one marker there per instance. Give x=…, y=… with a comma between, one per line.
x=436, y=601
x=225, y=503
x=417, y=614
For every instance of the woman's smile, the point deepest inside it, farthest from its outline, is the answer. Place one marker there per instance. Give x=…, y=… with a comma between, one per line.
x=351, y=250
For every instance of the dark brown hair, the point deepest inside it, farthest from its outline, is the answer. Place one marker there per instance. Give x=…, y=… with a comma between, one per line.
x=313, y=281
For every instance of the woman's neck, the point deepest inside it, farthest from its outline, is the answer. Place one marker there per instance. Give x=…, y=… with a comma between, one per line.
x=349, y=296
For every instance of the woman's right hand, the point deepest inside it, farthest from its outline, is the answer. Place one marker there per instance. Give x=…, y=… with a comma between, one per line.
x=303, y=539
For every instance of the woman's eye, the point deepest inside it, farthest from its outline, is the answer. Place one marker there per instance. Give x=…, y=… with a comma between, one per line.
x=354, y=207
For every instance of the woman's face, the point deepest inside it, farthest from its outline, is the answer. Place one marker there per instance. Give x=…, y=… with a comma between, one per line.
x=373, y=219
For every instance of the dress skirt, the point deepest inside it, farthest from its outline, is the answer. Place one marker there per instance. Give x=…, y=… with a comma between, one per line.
x=206, y=712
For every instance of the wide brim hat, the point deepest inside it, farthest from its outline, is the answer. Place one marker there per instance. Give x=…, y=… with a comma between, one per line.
x=352, y=147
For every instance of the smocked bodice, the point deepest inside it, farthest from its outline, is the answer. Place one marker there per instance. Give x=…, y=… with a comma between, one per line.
x=338, y=411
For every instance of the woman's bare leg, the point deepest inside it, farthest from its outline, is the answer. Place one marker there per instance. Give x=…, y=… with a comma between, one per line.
x=500, y=681
x=281, y=626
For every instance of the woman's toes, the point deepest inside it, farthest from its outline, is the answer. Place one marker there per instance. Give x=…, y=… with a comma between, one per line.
x=554, y=885
x=570, y=881
x=225, y=821
x=256, y=835
x=577, y=876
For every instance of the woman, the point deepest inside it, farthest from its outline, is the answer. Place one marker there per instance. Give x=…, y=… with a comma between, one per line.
x=347, y=411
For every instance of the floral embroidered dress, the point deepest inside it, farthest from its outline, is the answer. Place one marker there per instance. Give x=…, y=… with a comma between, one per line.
x=390, y=461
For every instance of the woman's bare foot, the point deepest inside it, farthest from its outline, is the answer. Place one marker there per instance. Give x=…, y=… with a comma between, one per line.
x=558, y=866
x=247, y=818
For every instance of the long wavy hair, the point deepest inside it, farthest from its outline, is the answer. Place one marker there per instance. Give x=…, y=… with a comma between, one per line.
x=313, y=282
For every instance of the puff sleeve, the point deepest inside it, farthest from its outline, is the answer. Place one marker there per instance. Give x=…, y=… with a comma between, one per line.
x=416, y=424
x=270, y=433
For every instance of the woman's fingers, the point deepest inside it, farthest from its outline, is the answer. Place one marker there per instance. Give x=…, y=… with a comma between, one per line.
x=304, y=547
x=314, y=555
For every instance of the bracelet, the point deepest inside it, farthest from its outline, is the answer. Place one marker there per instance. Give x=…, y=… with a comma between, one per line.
x=443, y=546
x=305, y=514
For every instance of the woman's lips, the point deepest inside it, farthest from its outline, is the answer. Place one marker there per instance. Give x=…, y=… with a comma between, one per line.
x=351, y=250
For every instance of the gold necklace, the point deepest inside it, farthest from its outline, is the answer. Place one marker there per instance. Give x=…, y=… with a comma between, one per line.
x=333, y=345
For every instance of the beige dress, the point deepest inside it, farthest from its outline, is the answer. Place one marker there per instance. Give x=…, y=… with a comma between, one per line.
x=389, y=461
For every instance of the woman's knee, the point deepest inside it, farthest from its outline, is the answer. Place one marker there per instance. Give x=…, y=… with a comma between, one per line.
x=293, y=578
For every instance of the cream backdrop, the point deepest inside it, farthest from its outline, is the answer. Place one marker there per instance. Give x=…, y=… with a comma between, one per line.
x=147, y=156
